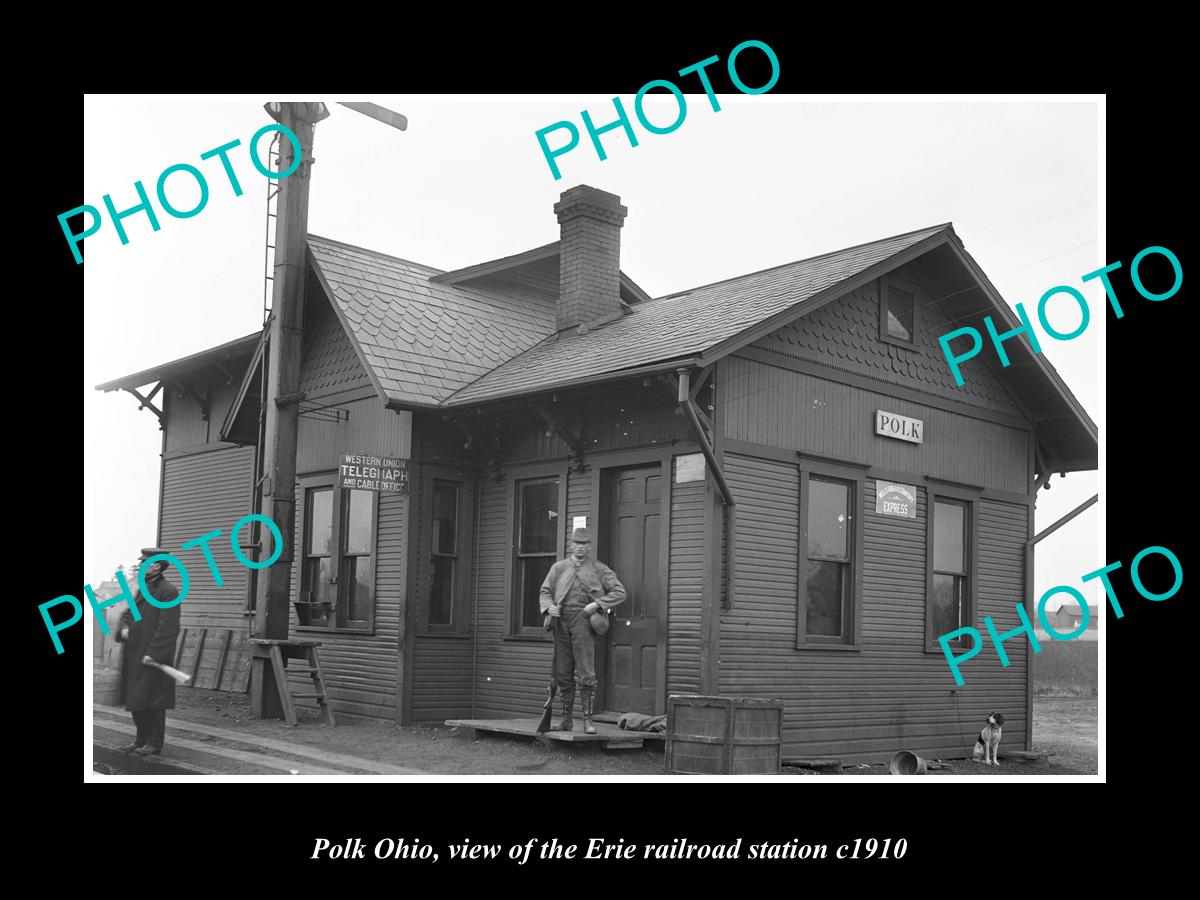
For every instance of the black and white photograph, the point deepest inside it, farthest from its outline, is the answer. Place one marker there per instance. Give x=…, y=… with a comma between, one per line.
x=703, y=433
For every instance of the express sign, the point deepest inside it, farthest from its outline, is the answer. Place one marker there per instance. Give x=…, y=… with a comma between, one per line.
x=893, y=499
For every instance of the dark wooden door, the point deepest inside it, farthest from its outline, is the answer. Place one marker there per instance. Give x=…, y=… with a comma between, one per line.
x=631, y=658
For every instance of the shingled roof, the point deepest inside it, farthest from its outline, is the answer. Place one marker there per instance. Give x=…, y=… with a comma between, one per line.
x=683, y=325
x=422, y=340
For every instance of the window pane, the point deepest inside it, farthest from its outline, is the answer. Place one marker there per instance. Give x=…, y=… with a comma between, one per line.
x=826, y=586
x=360, y=579
x=900, y=313
x=948, y=593
x=322, y=590
x=358, y=526
x=320, y=521
x=948, y=537
x=539, y=517
x=533, y=571
x=445, y=517
x=441, y=591
x=316, y=583
x=828, y=507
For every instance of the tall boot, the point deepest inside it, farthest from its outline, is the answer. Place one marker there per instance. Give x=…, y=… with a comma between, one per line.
x=568, y=709
x=589, y=696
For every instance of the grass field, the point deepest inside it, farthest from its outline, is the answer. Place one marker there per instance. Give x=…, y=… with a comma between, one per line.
x=1065, y=669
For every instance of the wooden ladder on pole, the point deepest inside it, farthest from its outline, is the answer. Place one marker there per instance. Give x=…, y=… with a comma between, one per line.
x=280, y=650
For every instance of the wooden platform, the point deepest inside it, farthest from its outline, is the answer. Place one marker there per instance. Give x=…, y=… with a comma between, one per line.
x=607, y=736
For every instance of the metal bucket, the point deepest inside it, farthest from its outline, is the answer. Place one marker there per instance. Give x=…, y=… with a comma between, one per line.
x=905, y=762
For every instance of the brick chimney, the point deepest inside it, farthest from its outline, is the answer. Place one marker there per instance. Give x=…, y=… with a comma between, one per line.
x=589, y=257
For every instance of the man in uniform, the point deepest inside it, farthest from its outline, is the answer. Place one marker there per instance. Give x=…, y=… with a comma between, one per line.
x=576, y=590
x=147, y=691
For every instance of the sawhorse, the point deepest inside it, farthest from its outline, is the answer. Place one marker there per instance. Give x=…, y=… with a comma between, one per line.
x=279, y=650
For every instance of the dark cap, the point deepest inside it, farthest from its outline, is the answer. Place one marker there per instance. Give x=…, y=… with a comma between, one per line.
x=582, y=536
x=147, y=552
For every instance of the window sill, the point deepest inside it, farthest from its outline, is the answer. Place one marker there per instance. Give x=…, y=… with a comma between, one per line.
x=898, y=342
x=317, y=629
x=843, y=648
x=545, y=637
x=453, y=635
x=936, y=650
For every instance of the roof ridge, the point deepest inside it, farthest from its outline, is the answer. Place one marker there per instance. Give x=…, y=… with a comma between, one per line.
x=379, y=253
x=794, y=262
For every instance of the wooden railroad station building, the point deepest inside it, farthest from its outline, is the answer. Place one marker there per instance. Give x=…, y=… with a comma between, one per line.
x=778, y=466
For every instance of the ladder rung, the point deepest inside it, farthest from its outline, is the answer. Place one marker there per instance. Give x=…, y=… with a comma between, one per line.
x=309, y=696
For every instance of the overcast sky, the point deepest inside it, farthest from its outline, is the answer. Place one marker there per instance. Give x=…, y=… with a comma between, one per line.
x=767, y=180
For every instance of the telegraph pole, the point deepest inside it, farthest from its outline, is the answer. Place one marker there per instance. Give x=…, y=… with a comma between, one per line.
x=281, y=377
x=272, y=609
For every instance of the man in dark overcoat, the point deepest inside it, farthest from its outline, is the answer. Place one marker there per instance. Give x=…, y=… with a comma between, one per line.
x=576, y=597
x=146, y=691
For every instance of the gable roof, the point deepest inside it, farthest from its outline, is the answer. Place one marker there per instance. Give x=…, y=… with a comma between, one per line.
x=434, y=339
x=684, y=325
x=421, y=340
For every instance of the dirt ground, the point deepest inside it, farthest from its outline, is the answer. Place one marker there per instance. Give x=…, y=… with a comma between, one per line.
x=1066, y=727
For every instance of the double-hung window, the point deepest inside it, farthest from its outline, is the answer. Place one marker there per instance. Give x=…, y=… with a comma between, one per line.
x=448, y=502
x=337, y=558
x=538, y=531
x=829, y=559
x=950, y=586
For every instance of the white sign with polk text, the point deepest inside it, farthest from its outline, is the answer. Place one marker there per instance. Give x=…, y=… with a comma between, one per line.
x=900, y=427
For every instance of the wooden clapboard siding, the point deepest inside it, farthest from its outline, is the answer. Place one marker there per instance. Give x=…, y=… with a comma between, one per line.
x=185, y=423
x=202, y=492
x=360, y=668
x=780, y=407
x=370, y=428
x=511, y=675
x=441, y=678
x=844, y=334
x=862, y=706
x=441, y=663
x=685, y=585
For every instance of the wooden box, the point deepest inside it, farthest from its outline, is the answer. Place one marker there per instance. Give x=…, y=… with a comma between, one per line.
x=723, y=735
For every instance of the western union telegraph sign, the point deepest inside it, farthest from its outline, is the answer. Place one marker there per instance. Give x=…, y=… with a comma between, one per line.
x=364, y=472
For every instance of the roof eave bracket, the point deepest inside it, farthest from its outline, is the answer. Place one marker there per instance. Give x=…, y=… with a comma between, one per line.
x=570, y=438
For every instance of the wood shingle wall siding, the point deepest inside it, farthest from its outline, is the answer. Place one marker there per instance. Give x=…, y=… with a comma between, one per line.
x=330, y=363
x=844, y=334
x=783, y=408
x=685, y=585
x=202, y=492
x=863, y=706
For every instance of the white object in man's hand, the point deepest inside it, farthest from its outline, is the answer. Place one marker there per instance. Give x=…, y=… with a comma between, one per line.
x=124, y=632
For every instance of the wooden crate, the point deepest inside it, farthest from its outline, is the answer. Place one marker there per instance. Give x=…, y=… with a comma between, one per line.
x=723, y=735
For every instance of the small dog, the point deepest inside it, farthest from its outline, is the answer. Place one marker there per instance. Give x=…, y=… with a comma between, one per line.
x=988, y=742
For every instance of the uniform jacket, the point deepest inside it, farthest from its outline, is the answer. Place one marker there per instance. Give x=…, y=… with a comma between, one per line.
x=142, y=686
x=601, y=582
